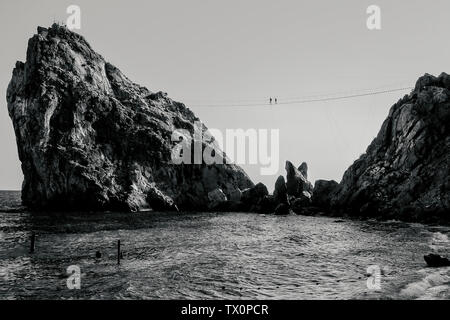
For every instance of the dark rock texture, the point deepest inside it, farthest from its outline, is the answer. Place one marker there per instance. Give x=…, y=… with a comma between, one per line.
x=216, y=198
x=282, y=209
x=436, y=261
x=293, y=194
x=296, y=183
x=303, y=168
x=267, y=205
x=89, y=138
x=301, y=204
x=405, y=170
x=323, y=193
x=252, y=197
x=280, y=191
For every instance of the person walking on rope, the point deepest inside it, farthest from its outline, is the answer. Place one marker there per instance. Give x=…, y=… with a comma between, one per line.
x=270, y=100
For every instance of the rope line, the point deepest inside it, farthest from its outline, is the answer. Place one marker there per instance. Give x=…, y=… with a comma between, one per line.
x=311, y=100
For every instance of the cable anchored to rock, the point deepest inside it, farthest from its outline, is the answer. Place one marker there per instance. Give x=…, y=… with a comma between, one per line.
x=306, y=100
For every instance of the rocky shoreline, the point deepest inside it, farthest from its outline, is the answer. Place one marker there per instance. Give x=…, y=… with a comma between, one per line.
x=90, y=139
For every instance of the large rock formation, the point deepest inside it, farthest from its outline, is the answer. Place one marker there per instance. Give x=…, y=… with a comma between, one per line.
x=89, y=138
x=405, y=172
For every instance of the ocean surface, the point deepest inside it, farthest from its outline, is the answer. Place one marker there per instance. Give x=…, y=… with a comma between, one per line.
x=217, y=255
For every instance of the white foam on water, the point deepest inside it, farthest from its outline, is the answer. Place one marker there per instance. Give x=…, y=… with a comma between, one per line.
x=435, y=285
x=439, y=241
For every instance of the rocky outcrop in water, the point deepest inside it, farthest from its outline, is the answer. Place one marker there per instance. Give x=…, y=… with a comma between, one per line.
x=324, y=192
x=280, y=191
x=216, y=198
x=282, y=209
x=405, y=172
x=436, y=261
x=89, y=138
x=290, y=195
x=301, y=204
x=252, y=198
x=296, y=182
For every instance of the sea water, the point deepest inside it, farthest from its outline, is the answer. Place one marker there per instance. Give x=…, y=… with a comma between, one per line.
x=216, y=255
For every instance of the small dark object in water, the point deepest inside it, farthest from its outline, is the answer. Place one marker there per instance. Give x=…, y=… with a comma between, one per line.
x=436, y=261
x=98, y=254
x=118, y=252
x=33, y=240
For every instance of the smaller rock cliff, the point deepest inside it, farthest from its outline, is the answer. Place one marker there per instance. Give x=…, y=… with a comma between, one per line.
x=405, y=172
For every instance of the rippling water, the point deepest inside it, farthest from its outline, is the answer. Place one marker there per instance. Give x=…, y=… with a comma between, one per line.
x=216, y=255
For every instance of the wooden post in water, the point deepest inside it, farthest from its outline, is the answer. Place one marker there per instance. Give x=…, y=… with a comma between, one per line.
x=118, y=251
x=33, y=241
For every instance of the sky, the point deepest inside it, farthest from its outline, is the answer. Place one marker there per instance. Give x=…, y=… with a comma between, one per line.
x=231, y=52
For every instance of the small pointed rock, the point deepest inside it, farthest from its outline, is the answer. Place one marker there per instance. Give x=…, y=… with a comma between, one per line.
x=280, y=192
x=304, y=169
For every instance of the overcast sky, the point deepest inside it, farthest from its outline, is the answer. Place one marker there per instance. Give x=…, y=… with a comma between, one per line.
x=225, y=52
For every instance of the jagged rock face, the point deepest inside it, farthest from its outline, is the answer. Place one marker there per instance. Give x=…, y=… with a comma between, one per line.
x=216, y=198
x=301, y=203
x=266, y=205
x=89, y=138
x=252, y=196
x=280, y=191
x=303, y=168
x=296, y=183
x=323, y=193
x=405, y=170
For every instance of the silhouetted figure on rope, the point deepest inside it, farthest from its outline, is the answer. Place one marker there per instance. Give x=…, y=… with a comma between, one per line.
x=270, y=100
